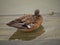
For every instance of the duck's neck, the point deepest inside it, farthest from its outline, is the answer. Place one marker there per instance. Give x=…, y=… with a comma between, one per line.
x=37, y=16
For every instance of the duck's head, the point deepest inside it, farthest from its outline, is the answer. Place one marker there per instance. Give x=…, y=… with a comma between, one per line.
x=36, y=12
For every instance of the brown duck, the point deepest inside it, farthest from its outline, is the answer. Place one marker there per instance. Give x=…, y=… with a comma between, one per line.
x=27, y=23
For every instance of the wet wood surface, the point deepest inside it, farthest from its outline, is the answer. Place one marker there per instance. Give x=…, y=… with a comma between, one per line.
x=51, y=24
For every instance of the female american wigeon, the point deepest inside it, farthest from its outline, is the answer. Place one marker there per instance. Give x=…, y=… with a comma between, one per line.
x=28, y=21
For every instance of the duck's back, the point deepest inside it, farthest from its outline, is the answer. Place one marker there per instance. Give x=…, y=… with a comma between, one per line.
x=28, y=19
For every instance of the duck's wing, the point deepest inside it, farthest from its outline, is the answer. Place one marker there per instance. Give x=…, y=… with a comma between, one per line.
x=14, y=23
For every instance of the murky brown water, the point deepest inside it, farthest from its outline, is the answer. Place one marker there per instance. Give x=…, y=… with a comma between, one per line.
x=27, y=35
x=50, y=29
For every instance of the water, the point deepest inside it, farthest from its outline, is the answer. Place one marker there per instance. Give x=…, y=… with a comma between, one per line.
x=50, y=29
x=26, y=36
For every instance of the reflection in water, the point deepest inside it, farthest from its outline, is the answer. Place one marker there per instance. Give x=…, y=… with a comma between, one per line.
x=27, y=36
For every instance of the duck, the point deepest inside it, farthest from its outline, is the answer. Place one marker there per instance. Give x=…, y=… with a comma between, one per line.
x=27, y=23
